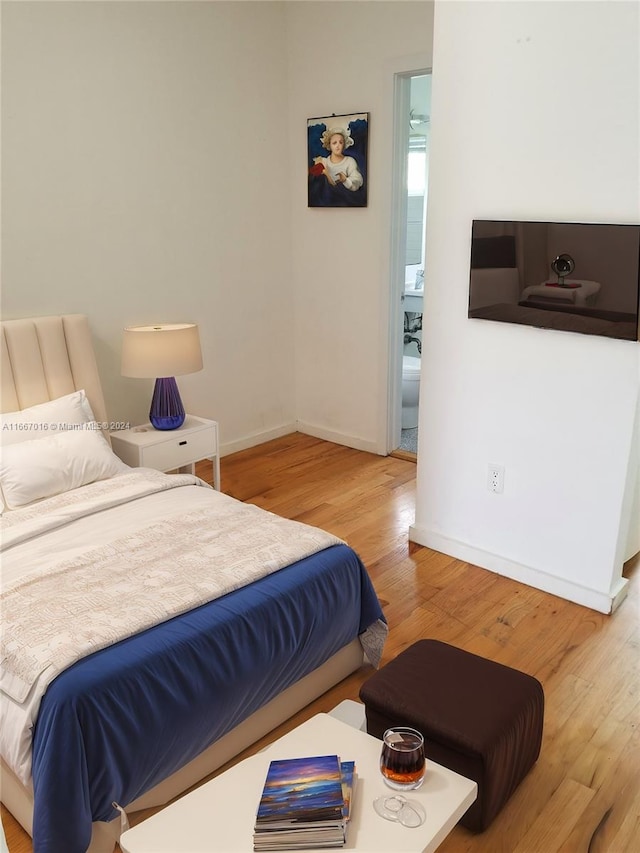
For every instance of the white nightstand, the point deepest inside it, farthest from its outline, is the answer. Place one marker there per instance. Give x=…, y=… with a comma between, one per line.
x=167, y=450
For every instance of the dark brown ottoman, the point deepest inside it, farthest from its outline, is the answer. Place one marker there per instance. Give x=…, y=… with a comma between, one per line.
x=478, y=717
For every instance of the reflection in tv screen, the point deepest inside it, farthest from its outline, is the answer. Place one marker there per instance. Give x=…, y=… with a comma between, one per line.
x=576, y=277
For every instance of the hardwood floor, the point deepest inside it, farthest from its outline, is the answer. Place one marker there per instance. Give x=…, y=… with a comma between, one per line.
x=583, y=795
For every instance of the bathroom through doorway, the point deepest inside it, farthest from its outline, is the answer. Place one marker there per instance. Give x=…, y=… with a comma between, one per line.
x=412, y=110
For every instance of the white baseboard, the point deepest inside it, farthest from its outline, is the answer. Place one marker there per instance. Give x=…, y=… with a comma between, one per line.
x=257, y=438
x=299, y=426
x=592, y=598
x=339, y=438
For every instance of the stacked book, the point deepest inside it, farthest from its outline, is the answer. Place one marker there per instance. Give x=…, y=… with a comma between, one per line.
x=305, y=804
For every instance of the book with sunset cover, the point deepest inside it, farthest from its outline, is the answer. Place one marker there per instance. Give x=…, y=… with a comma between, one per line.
x=302, y=805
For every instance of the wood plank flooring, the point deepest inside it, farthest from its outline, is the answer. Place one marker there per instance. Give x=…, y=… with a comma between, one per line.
x=583, y=795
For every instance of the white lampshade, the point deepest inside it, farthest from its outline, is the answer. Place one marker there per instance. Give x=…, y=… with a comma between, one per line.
x=168, y=349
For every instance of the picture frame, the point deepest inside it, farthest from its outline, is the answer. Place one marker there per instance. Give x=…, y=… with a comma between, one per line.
x=337, y=167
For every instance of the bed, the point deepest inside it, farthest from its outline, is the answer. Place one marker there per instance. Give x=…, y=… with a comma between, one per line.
x=152, y=627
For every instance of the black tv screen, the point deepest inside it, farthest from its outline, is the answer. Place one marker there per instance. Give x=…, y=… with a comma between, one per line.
x=577, y=277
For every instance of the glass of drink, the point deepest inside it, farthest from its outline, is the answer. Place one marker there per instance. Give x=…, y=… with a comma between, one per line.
x=402, y=761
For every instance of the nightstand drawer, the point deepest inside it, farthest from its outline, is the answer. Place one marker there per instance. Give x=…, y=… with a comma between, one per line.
x=178, y=450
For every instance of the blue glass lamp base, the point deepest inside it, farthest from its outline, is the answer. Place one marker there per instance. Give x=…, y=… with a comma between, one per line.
x=167, y=411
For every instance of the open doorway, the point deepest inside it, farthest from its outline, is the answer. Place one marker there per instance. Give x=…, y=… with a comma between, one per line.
x=413, y=107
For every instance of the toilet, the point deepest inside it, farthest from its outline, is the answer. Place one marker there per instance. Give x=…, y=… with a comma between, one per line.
x=410, y=391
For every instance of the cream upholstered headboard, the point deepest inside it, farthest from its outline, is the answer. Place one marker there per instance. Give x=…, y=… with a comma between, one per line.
x=47, y=357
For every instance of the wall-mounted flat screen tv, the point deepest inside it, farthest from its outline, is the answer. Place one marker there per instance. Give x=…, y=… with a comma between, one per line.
x=577, y=277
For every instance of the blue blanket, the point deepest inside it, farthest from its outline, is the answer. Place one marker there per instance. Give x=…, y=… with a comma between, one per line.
x=117, y=722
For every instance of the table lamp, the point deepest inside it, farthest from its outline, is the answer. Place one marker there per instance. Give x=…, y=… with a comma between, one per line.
x=162, y=352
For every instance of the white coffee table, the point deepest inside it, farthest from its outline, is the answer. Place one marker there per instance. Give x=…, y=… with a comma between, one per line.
x=218, y=817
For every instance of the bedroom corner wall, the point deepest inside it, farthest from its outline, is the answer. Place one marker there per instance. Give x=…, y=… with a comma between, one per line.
x=142, y=171
x=342, y=58
x=152, y=157
x=529, y=123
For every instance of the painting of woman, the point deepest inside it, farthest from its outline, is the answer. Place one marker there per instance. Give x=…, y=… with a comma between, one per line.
x=337, y=178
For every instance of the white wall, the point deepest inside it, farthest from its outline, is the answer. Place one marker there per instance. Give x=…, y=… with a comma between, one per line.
x=154, y=169
x=342, y=59
x=556, y=409
x=143, y=153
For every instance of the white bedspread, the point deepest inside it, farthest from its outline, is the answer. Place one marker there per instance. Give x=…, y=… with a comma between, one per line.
x=88, y=568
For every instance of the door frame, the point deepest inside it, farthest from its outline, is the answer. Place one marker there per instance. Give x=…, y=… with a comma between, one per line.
x=414, y=67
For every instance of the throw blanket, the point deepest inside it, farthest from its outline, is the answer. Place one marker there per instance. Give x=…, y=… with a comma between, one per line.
x=68, y=609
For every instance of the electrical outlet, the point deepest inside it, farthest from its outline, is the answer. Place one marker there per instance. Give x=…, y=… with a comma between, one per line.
x=495, y=478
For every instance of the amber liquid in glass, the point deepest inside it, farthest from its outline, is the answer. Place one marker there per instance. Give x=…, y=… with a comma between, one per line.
x=403, y=762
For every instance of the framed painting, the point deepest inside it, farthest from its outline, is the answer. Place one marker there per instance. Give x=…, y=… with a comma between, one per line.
x=337, y=160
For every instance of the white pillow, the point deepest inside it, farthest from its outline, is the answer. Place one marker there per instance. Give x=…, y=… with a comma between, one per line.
x=45, y=419
x=32, y=470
